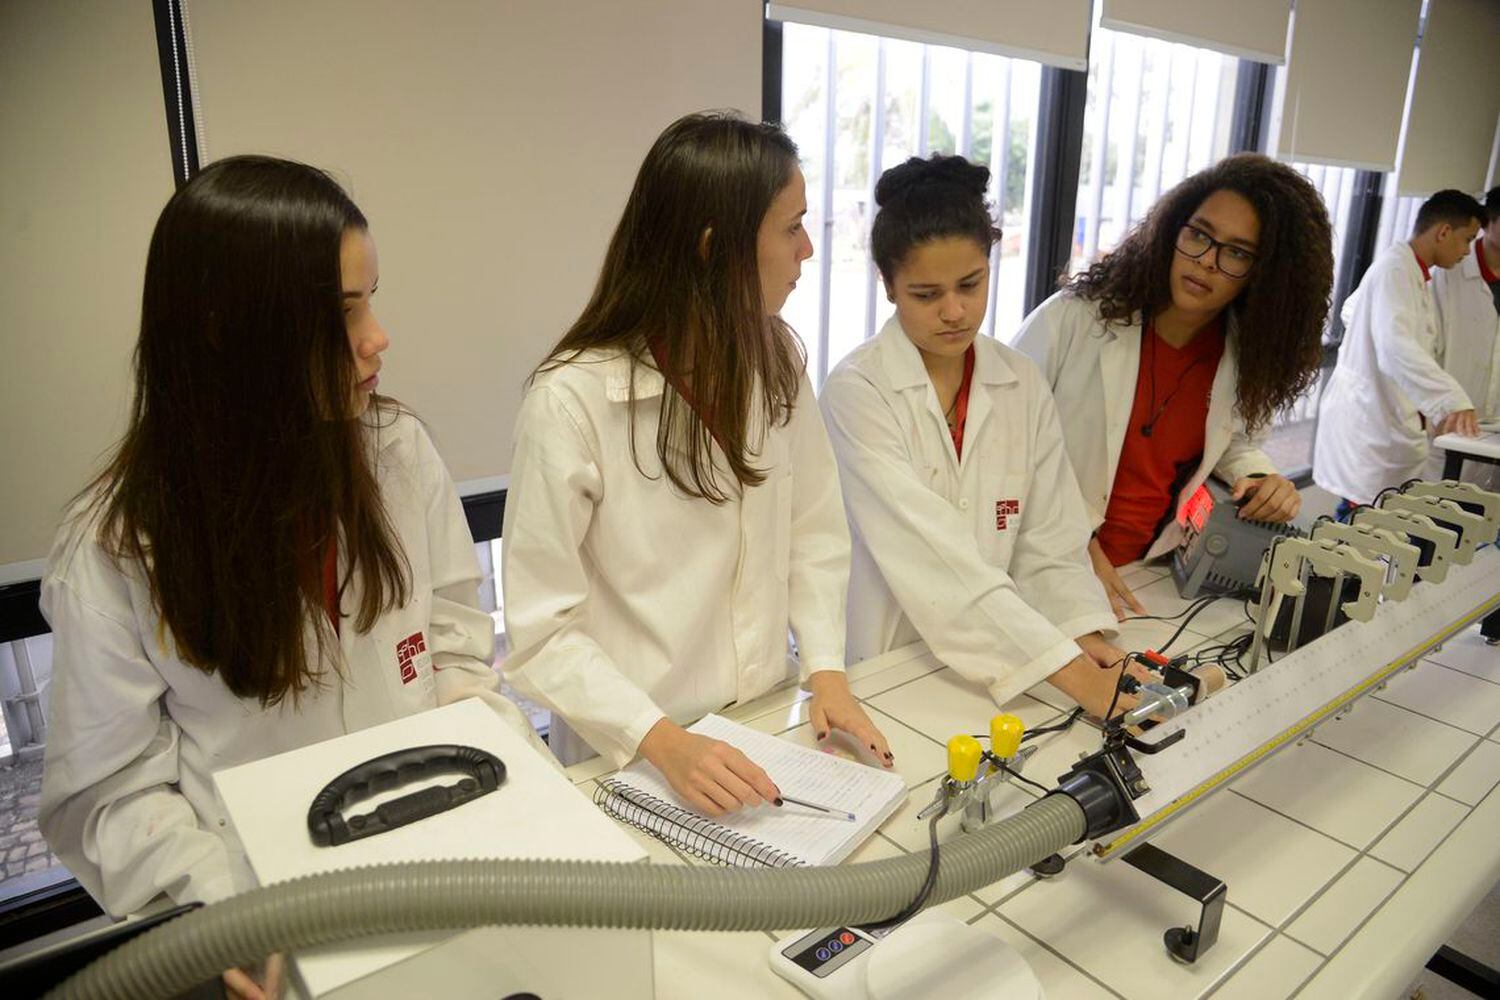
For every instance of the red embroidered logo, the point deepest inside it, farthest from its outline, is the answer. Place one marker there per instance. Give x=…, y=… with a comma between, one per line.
x=406, y=651
x=1004, y=510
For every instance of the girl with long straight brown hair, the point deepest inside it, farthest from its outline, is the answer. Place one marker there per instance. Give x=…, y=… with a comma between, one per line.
x=274, y=556
x=673, y=501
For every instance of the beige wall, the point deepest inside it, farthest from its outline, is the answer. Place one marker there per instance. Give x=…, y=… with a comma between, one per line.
x=491, y=144
x=1344, y=90
x=84, y=171
x=1455, y=98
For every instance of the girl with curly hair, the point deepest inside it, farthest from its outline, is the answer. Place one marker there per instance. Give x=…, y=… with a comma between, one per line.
x=1169, y=357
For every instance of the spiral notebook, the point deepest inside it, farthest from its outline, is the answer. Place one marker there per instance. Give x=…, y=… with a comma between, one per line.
x=766, y=835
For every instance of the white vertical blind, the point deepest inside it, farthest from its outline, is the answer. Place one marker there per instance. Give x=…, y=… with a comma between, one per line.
x=1344, y=89
x=1454, y=101
x=1249, y=29
x=86, y=169
x=492, y=146
x=1055, y=32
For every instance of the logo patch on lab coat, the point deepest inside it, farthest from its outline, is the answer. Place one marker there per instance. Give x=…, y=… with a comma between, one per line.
x=408, y=651
x=1004, y=511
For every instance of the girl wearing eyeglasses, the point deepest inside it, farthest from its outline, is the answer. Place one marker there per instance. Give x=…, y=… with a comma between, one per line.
x=1169, y=356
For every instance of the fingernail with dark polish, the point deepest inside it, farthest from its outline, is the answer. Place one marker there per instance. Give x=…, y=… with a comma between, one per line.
x=778, y=801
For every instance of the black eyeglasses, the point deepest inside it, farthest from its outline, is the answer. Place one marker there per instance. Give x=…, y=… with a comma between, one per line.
x=1232, y=260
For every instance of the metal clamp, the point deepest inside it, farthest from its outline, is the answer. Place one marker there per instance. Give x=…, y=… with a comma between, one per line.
x=1485, y=503
x=1440, y=542
x=1185, y=943
x=1470, y=528
x=1294, y=558
x=1290, y=562
x=1402, y=555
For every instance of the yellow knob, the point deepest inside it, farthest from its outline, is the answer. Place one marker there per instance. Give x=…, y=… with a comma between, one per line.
x=1006, y=731
x=963, y=757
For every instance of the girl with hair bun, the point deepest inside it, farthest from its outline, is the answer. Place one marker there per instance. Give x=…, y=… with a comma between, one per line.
x=969, y=532
x=1170, y=355
x=674, y=506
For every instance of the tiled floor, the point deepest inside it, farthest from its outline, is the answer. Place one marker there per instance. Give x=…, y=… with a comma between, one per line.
x=1310, y=843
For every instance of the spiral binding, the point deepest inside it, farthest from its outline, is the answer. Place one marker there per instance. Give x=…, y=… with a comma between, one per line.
x=686, y=830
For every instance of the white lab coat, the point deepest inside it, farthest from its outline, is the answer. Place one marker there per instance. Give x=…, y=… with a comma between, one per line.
x=626, y=600
x=128, y=801
x=1369, y=433
x=984, y=558
x=1092, y=367
x=1469, y=332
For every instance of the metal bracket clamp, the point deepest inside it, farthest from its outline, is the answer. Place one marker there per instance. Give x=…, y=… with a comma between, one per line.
x=979, y=805
x=1185, y=943
x=1485, y=503
x=1288, y=565
x=1415, y=527
x=1445, y=513
x=1374, y=541
x=1294, y=558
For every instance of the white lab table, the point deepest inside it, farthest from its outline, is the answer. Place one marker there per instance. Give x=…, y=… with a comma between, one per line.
x=1349, y=858
x=1459, y=449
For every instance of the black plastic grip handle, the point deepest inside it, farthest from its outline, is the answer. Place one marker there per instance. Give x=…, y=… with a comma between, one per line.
x=484, y=772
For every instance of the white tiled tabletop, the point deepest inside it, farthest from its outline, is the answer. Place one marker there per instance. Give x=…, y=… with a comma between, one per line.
x=1312, y=844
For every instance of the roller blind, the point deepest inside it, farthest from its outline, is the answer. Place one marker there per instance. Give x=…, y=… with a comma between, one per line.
x=1055, y=33
x=86, y=169
x=1454, y=100
x=1249, y=29
x=1344, y=89
x=492, y=146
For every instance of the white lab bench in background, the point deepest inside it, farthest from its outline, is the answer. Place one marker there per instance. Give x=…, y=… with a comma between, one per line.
x=1349, y=858
x=1459, y=449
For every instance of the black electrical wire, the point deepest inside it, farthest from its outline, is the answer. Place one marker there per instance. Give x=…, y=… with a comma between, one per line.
x=1205, y=600
x=1349, y=514
x=1124, y=663
x=932, y=873
x=1060, y=727
x=1181, y=628
x=1021, y=777
x=1032, y=734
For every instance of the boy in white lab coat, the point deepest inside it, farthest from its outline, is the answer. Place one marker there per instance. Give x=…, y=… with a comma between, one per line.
x=674, y=505
x=275, y=555
x=969, y=532
x=1467, y=300
x=1388, y=391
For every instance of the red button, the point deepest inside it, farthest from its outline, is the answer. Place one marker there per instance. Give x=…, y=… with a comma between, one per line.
x=846, y=937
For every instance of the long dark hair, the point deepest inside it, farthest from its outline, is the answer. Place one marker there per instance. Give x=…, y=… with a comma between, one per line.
x=241, y=465
x=925, y=200
x=699, y=304
x=1282, y=309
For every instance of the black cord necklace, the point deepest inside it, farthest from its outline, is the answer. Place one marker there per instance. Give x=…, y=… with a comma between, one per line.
x=1157, y=411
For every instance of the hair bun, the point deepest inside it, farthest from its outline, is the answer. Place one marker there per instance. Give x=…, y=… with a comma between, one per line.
x=899, y=181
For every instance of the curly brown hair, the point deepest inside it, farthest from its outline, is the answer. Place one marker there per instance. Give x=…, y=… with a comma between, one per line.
x=1282, y=310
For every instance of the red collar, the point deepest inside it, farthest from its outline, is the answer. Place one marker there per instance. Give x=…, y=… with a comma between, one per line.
x=1484, y=267
x=1426, y=271
x=961, y=404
